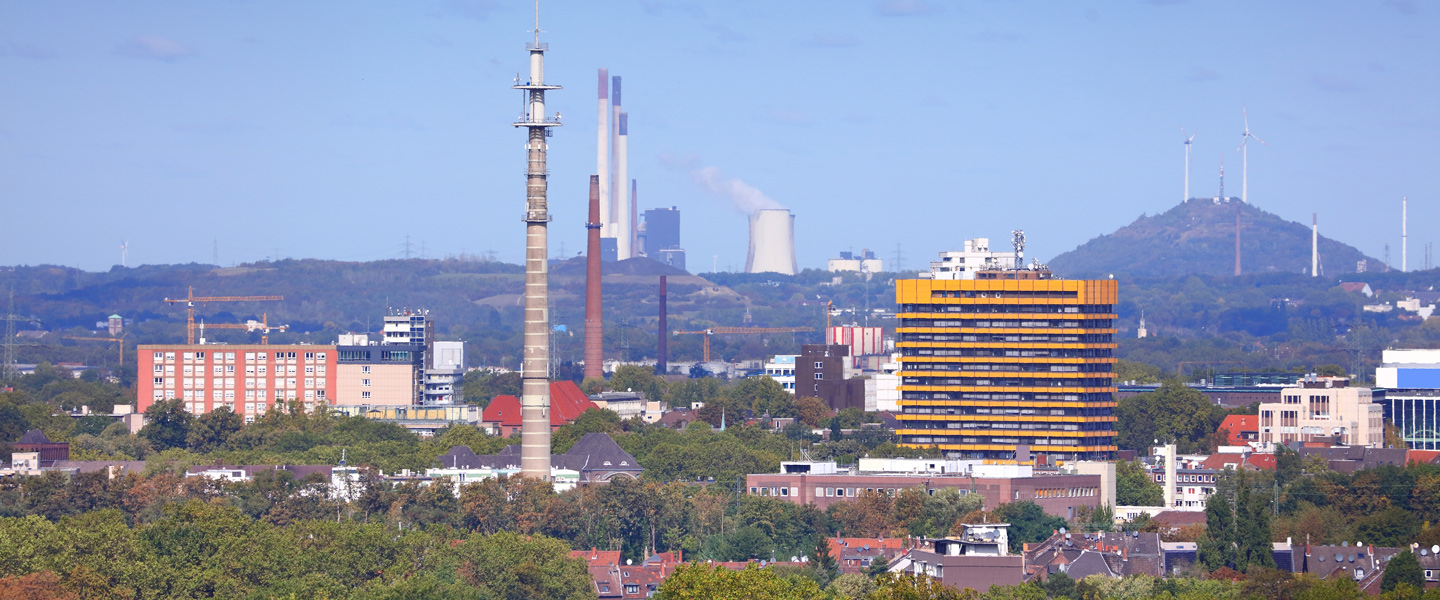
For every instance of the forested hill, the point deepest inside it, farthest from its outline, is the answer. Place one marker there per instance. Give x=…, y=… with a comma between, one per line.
x=1198, y=238
x=475, y=301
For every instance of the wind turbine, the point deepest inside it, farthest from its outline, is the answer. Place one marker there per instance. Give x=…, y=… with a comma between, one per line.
x=1244, y=161
x=124, y=250
x=1187, y=164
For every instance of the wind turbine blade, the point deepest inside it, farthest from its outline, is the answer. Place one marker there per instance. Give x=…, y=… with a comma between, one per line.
x=1257, y=138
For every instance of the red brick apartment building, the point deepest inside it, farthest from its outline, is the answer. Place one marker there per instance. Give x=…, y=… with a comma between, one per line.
x=249, y=379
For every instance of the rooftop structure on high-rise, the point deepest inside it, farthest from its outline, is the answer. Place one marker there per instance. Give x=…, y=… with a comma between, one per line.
x=963, y=264
x=1001, y=363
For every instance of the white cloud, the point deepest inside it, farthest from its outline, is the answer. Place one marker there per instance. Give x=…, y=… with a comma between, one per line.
x=154, y=47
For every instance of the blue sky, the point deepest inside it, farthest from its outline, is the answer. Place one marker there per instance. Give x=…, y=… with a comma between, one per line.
x=334, y=129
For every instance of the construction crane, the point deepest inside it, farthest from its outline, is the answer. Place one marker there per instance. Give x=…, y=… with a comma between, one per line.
x=120, y=341
x=714, y=330
x=191, y=299
x=263, y=326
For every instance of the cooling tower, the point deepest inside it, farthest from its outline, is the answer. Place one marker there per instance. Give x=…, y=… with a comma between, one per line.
x=772, y=242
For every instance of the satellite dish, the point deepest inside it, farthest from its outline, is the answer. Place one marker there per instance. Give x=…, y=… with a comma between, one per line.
x=629, y=561
x=1435, y=549
x=1321, y=557
x=1424, y=552
x=1352, y=559
x=1339, y=557
x=1062, y=530
x=1344, y=544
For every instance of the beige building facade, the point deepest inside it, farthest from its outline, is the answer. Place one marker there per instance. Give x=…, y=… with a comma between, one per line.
x=375, y=384
x=1323, y=407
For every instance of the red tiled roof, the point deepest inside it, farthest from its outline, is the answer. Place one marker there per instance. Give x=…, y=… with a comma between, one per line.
x=504, y=410
x=1421, y=456
x=567, y=403
x=839, y=544
x=1263, y=461
x=597, y=557
x=1236, y=424
x=1258, y=461
x=1352, y=286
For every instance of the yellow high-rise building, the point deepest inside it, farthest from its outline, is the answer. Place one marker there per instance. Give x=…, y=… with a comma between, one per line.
x=1011, y=358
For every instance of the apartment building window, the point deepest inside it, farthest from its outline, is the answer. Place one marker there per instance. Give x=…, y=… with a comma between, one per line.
x=364, y=383
x=309, y=356
x=365, y=395
x=819, y=376
x=365, y=370
x=819, y=365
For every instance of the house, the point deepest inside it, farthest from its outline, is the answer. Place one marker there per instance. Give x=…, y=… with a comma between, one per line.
x=567, y=403
x=979, y=558
x=50, y=452
x=1364, y=564
x=1240, y=430
x=1109, y=554
x=1358, y=287
x=856, y=555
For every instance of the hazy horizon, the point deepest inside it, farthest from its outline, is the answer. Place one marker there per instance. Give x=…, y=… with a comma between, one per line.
x=332, y=131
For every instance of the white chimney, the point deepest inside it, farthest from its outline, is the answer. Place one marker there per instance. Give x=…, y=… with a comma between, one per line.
x=772, y=242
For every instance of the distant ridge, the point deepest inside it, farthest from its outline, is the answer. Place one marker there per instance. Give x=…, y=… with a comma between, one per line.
x=1198, y=238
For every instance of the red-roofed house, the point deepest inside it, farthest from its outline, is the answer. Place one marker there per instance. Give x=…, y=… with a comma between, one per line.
x=1240, y=429
x=1220, y=462
x=1422, y=457
x=854, y=555
x=1357, y=287
x=567, y=403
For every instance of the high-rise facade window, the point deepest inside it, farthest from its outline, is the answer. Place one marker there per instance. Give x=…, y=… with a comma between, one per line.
x=1016, y=358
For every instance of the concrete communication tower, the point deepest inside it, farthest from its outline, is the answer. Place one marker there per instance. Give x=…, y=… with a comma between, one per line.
x=772, y=242
x=535, y=365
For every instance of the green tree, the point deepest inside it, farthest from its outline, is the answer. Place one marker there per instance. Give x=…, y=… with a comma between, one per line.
x=1028, y=523
x=1404, y=568
x=210, y=431
x=1134, y=487
x=764, y=396
x=903, y=586
x=515, y=567
x=1252, y=527
x=167, y=424
x=699, y=581
x=822, y=561
x=1174, y=412
x=1217, y=548
x=1059, y=585
x=637, y=378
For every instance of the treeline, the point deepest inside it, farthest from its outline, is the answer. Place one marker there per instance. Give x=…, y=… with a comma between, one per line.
x=199, y=549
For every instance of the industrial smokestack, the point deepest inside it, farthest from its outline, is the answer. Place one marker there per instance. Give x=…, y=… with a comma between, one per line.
x=594, y=323
x=772, y=242
x=602, y=150
x=1314, y=244
x=624, y=234
x=635, y=249
x=664, y=332
x=1404, y=233
x=617, y=185
x=535, y=363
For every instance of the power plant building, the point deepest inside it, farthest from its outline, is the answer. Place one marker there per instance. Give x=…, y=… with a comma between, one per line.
x=660, y=236
x=1000, y=364
x=862, y=262
x=772, y=242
